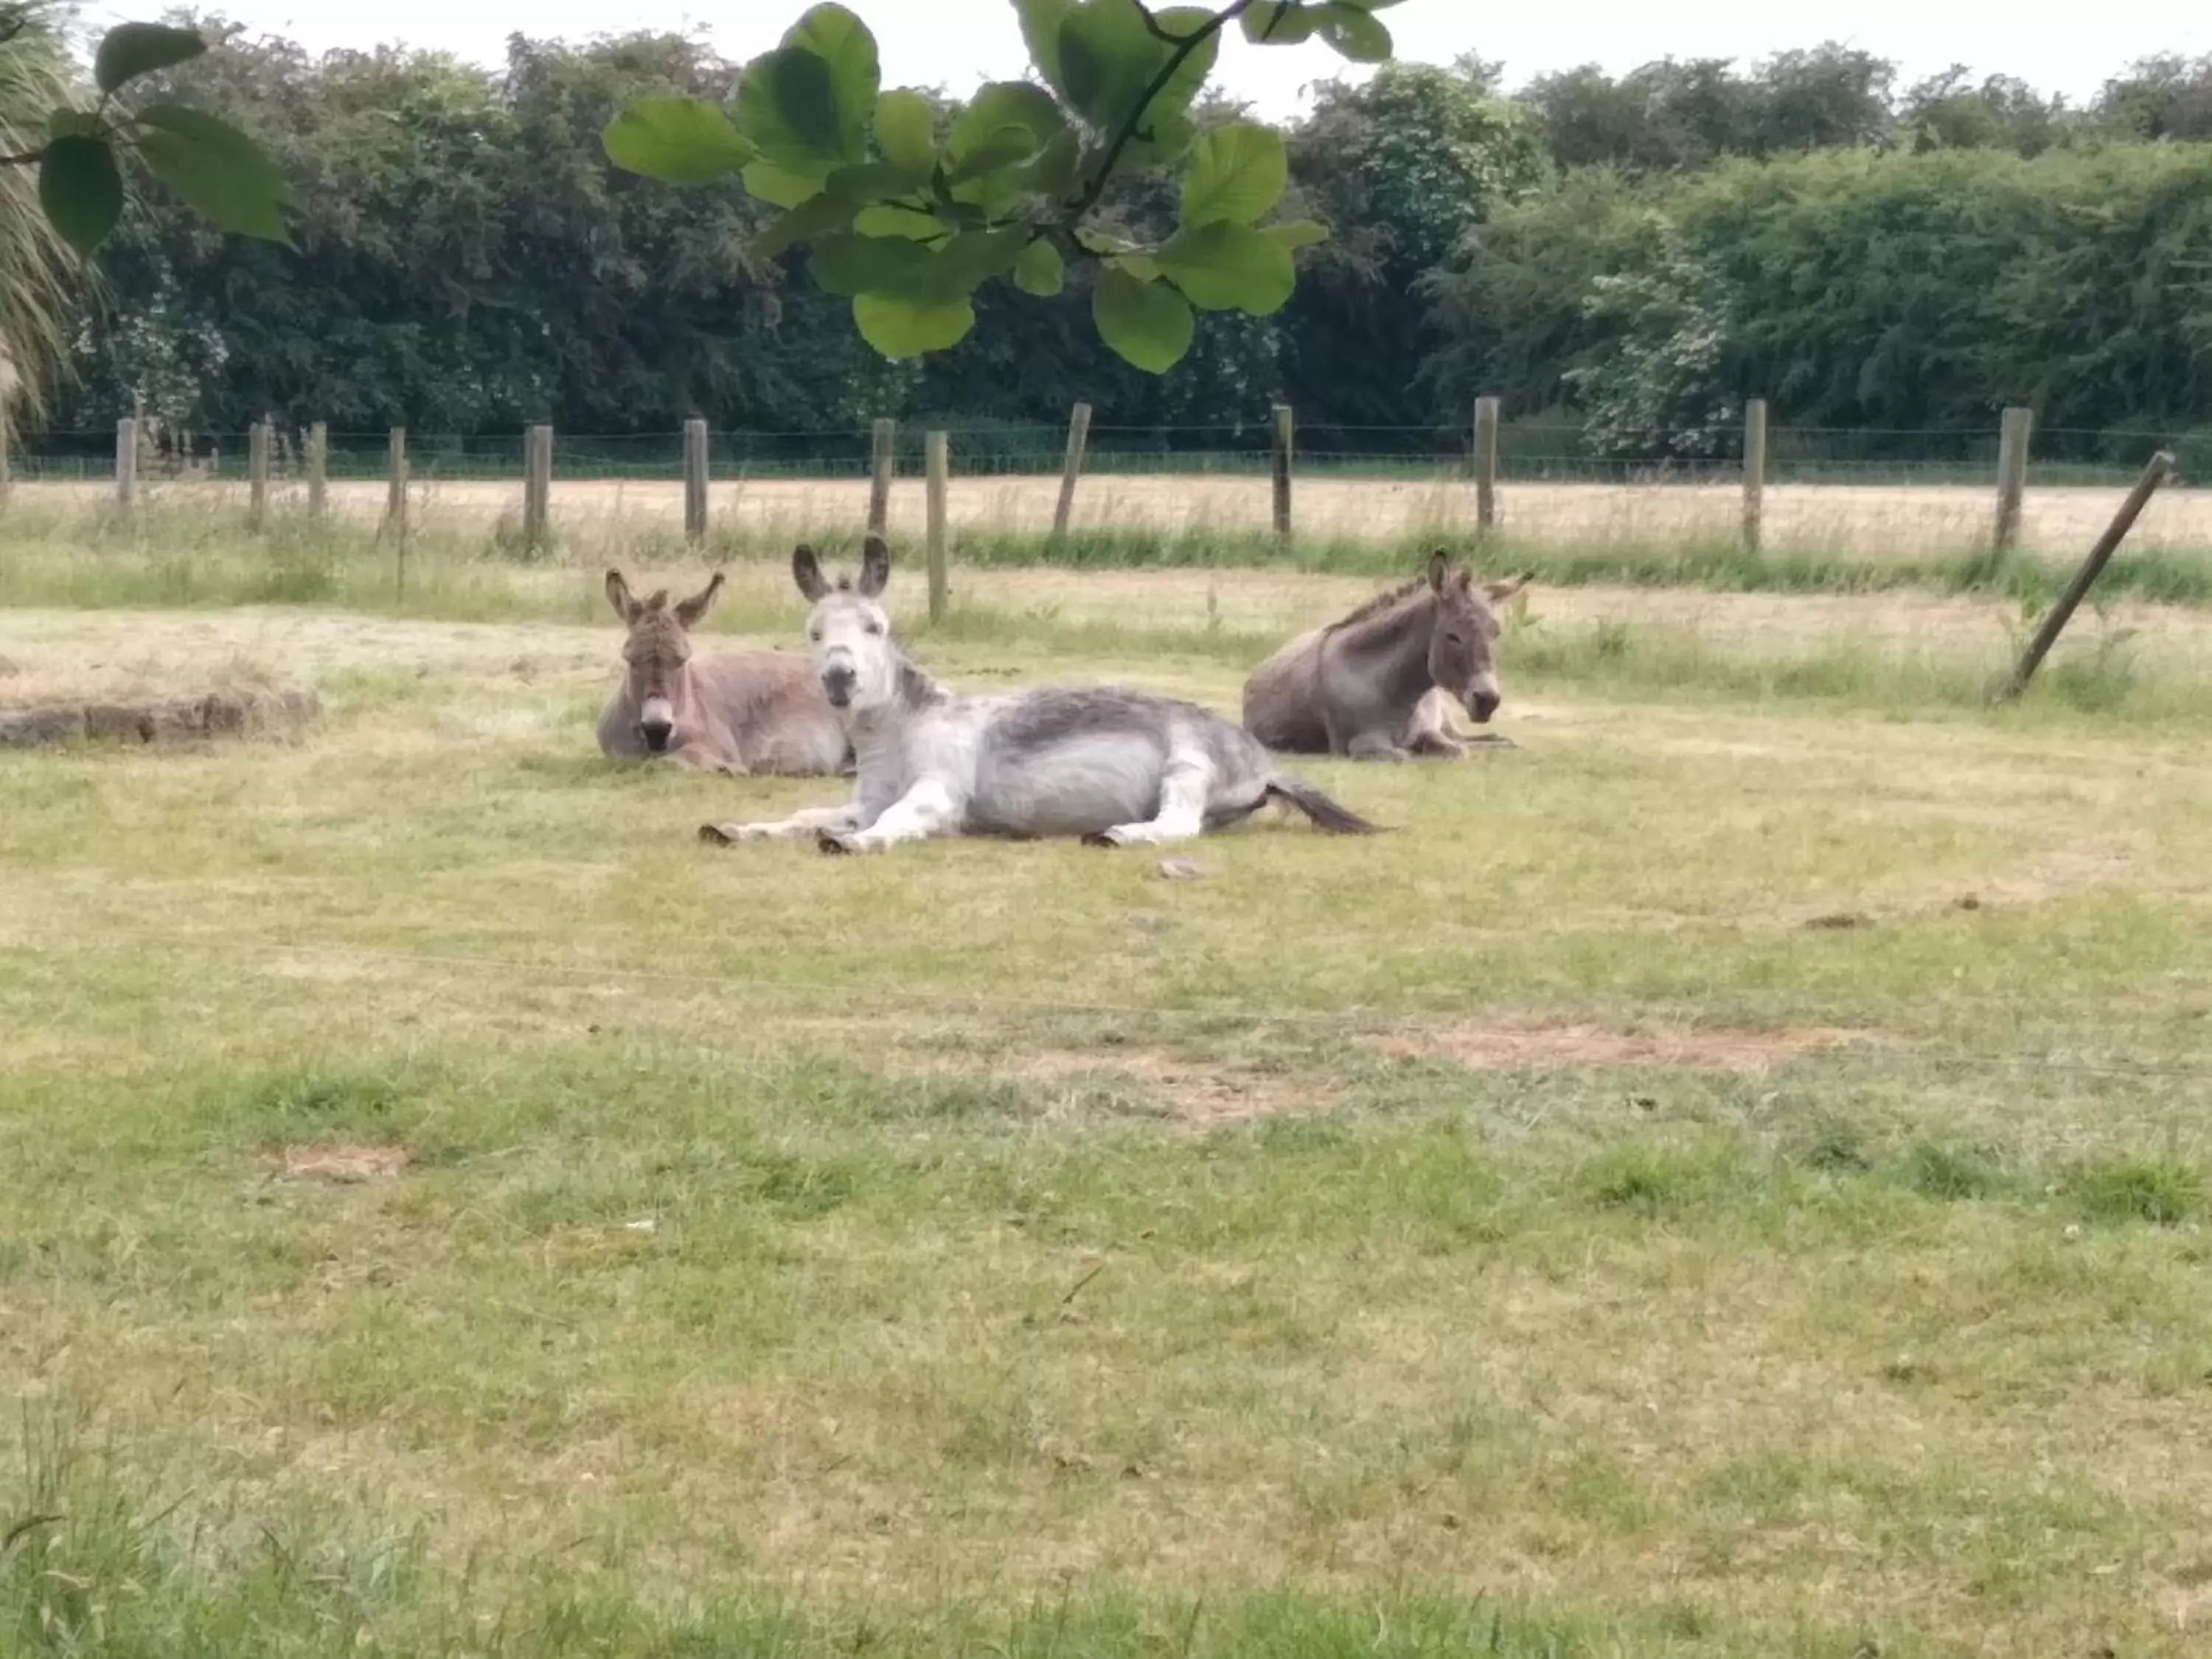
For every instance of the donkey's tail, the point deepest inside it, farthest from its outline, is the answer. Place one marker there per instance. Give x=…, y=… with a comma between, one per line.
x=1325, y=812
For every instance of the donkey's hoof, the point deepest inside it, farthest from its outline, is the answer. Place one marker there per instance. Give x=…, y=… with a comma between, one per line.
x=834, y=846
x=1102, y=838
x=715, y=836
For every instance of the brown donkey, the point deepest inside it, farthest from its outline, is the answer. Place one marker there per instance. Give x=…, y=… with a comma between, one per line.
x=1379, y=685
x=739, y=712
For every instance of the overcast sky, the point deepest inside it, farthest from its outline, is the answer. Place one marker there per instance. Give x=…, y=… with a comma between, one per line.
x=955, y=44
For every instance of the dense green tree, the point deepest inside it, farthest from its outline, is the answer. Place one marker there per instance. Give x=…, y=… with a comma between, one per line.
x=1401, y=168
x=1952, y=110
x=2165, y=96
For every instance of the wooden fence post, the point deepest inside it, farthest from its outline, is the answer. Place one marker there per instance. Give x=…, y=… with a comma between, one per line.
x=395, y=489
x=938, y=448
x=395, y=507
x=127, y=463
x=7, y=478
x=1754, y=472
x=257, y=474
x=1071, y=469
x=1485, y=465
x=879, y=487
x=319, y=466
x=2012, y=473
x=2160, y=469
x=537, y=484
x=1286, y=437
x=695, y=481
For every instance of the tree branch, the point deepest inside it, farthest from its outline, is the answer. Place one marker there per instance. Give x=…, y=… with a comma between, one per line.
x=1186, y=45
x=28, y=158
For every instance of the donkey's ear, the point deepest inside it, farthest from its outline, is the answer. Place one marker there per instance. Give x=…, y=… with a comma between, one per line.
x=690, y=612
x=618, y=596
x=875, y=567
x=806, y=571
x=1501, y=592
x=1439, y=568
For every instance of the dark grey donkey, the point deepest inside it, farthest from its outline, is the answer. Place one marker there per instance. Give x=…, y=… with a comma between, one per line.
x=1379, y=685
x=738, y=712
x=1116, y=767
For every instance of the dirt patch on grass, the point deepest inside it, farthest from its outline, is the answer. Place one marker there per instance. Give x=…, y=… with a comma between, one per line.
x=1508, y=1046
x=178, y=718
x=1139, y=1082
x=343, y=1162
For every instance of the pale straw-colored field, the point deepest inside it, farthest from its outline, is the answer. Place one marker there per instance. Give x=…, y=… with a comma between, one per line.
x=1841, y=518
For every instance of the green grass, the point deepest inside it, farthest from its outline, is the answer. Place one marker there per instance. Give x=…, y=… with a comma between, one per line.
x=1521, y=1233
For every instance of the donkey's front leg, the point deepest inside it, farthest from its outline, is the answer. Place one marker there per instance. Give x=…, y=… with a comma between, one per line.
x=813, y=821
x=1374, y=746
x=928, y=809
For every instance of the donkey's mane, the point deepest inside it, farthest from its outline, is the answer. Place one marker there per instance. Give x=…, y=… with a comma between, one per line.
x=1380, y=603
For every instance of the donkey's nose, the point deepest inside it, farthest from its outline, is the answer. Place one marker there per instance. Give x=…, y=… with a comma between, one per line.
x=837, y=685
x=1482, y=705
x=656, y=733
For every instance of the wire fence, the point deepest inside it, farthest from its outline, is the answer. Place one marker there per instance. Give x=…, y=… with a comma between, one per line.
x=1550, y=452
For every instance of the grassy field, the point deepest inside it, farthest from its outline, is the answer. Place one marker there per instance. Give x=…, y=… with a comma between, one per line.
x=1724, y=1179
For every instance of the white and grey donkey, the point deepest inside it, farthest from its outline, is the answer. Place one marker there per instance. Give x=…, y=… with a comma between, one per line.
x=1116, y=767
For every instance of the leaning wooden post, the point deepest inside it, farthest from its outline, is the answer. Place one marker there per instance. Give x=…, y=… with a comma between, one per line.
x=1754, y=472
x=2160, y=469
x=2012, y=473
x=127, y=463
x=1485, y=465
x=318, y=466
x=7, y=479
x=938, y=449
x=1071, y=469
x=1285, y=439
x=879, y=485
x=256, y=476
x=695, y=481
x=537, y=484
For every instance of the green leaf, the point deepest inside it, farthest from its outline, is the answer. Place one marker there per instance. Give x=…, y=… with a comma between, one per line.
x=1041, y=21
x=1230, y=267
x=899, y=327
x=779, y=186
x=1165, y=139
x=1107, y=59
x=849, y=265
x=130, y=49
x=998, y=105
x=678, y=141
x=1355, y=34
x=1058, y=167
x=1008, y=147
x=818, y=215
x=793, y=106
x=889, y=219
x=1040, y=270
x=1279, y=23
x=217, y=169
x=905, y=133
x=1237, y=173
x=1297, y=232
x=81, y=189
x=1147, y=324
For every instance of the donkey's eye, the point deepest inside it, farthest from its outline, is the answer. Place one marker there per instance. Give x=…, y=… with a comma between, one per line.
x=814, y=635
x=875, y=628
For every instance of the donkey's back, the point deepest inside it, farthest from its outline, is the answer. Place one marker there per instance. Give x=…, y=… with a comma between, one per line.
x=771, y=704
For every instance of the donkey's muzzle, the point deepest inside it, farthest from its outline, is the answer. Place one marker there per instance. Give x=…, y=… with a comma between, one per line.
x=1481, y=705
x=838, y=682
x=656, y=735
